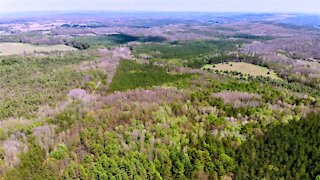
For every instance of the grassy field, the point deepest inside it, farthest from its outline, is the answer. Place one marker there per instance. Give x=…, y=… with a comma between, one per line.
x=20, y=48
x=244, y=68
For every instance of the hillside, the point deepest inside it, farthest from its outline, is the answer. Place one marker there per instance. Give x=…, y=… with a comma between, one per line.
x=215, y=101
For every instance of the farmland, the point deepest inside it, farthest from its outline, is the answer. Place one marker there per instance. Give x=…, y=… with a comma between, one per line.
x=244, y=68
x=23, y=48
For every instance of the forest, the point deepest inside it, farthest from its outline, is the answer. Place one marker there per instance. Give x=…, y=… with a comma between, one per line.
x=148, y=103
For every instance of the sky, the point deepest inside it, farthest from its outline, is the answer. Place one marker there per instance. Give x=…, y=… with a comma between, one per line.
x=299, y=6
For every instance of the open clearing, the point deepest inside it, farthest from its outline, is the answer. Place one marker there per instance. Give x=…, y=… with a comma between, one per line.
x=21, y=48
x=244, y=68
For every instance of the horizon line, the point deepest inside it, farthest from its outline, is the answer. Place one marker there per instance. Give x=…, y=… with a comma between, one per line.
x=153, y=11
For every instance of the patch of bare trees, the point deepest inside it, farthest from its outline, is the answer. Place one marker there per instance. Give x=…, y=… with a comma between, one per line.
x=12, y=147
x=45, y=136
x=238, y=99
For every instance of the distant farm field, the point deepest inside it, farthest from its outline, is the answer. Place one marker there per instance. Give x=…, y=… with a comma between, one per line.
x=20, y=48
x=244, y=68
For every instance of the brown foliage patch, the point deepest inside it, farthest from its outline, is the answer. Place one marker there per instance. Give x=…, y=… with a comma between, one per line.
x=45, y=136
x=238, y=99
x=139, y=103
x=12, y=147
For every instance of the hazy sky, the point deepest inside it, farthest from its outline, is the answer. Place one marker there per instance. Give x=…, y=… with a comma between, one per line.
x=306, y=6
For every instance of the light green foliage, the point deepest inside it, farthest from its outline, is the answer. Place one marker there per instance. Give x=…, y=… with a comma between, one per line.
x=60, y=152
x=214, y=120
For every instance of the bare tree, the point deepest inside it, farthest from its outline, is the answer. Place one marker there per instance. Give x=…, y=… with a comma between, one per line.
x=13, y=147
x=45, y=137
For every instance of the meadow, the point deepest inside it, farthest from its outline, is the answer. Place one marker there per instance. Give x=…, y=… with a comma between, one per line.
x=244, y=68
x=24, y=48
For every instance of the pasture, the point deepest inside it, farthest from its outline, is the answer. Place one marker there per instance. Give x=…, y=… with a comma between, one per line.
x=21, y=48
x=244, y=68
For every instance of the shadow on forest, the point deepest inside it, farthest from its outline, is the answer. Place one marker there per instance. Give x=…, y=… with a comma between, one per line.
x=287, y=150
